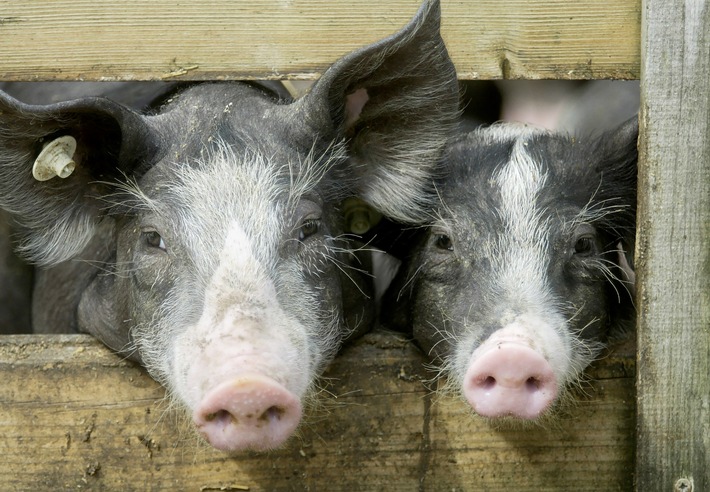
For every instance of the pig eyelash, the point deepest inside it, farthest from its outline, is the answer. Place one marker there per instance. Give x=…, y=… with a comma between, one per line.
x=597, y=212
x=437, y=216
x=308, y=228
x=128, y=196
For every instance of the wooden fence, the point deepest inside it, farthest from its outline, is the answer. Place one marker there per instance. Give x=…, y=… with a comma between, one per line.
x=75, y=417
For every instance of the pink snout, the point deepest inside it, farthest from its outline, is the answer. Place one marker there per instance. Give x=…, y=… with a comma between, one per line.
x=252, y=412
x=510, y=379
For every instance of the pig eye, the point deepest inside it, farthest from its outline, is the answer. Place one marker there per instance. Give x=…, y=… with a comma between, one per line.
x=308, y=228
x=443, y=241
x=584, y=246
x=154, y=240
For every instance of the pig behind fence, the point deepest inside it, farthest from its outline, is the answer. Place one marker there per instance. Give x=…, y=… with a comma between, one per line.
x=16, y=275
x=517, y=280
x=206, y=240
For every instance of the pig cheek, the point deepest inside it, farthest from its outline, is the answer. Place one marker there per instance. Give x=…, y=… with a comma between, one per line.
x=150, y=285
x=436, y=321
x=588, y=306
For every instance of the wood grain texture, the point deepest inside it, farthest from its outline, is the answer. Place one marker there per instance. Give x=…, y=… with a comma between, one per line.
x=672, y=255
x=73, y=416
x=298, y=39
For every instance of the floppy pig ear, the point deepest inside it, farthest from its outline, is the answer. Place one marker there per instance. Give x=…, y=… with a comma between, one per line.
x=93, y=141
x=396, y=102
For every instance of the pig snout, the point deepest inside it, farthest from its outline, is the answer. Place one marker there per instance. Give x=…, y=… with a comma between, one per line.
x=509, y=378
x=252, y=412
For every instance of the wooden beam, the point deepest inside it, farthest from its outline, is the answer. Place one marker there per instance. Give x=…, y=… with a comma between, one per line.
x=672, y=253
x=298, y=39
x=73, y=416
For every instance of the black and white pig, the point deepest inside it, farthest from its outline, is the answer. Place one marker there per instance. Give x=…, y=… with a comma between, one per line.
x=517, y=280
x=205, y=240
x=16, y=275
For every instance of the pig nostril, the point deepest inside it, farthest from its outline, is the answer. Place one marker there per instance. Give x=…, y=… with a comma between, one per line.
x=222, y=416
x=272, y=413
x=533, y=384
x=488, y=383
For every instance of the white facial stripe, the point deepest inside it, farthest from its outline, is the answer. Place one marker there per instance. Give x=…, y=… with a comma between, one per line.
x=524, y=242
x=239, y=277
x=243, y=328
x=228, y=188
x=521, y=271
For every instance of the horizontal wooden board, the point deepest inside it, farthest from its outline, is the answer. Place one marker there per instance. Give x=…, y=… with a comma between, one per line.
x=73, y=416
x=298, y=39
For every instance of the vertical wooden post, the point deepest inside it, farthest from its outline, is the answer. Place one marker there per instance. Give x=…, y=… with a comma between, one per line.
x=673, y=248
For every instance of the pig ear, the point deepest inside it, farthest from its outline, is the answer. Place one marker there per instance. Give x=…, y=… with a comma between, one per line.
x=93, y=140
x=619, y=181
x=395, y=102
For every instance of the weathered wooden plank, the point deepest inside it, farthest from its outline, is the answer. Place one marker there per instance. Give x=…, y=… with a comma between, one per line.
x=673, y=257
x=73, y=416
x=257, y=39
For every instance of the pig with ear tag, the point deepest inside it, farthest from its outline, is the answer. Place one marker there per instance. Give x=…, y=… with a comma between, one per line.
x=205, y=239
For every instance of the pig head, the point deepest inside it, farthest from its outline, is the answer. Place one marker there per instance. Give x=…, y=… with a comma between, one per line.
x=206, y=240
x=516, y=281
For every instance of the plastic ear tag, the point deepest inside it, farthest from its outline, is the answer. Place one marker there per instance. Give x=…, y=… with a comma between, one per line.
x=56, y=159
x=359, y=216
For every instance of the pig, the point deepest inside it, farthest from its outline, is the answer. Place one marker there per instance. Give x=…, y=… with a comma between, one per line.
x=16, y=274
x=206, y=240
x=516, y=282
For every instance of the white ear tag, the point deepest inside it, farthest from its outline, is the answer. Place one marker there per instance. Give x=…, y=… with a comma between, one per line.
x=55, y=159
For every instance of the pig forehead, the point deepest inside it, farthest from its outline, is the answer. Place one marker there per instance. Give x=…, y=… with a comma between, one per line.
x=501, y=178
x=511, y=175
x=225, y=189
